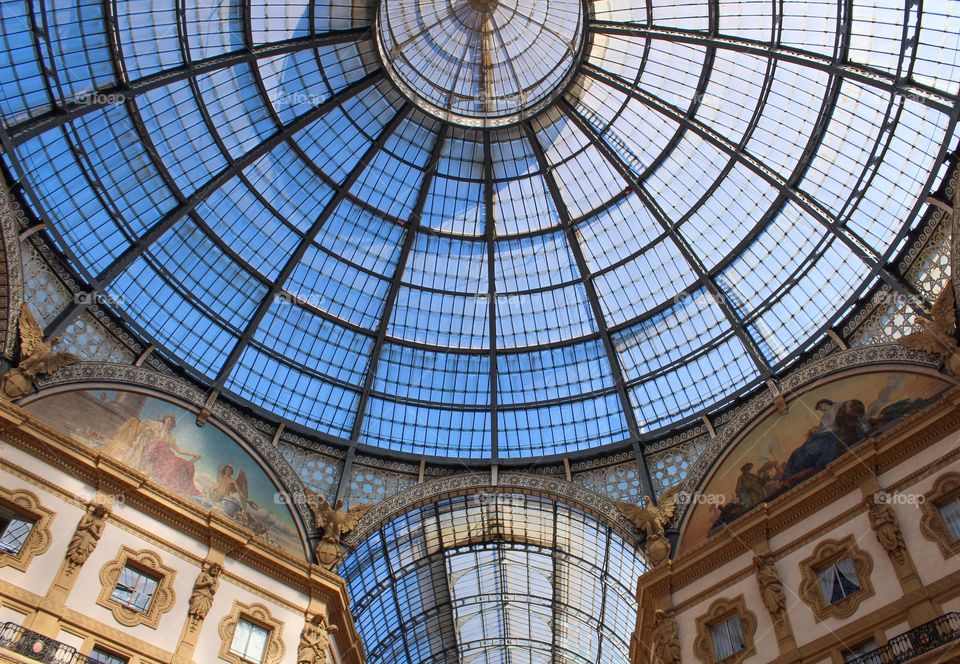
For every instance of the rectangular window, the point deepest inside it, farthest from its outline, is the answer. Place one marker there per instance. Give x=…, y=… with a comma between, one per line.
x=135, y=589
x=859, y=651
x=249, y=641
x=14, y=530
x=727, y=638
x=838, y=580
x=950, y=511
x=101, y=656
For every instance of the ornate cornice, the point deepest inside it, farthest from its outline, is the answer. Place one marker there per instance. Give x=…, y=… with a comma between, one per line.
x=562, y=490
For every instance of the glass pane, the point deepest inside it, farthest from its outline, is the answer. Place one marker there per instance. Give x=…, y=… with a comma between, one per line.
x=249, y=641
x=727, y=638
x=951, y=515
x=15, y=531
x=135, y=589
x=103, y=657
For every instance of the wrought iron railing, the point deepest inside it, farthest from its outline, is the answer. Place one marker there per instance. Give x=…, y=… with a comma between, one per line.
x=928, y=636
x=39, y=648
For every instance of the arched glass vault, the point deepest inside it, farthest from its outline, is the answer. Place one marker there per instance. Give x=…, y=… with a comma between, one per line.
x=494, y=578
x=713, y=186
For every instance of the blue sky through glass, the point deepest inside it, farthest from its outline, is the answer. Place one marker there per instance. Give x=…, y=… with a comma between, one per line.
x=718, y=185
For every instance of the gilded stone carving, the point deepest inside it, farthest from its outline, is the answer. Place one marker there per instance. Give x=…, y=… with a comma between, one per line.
x=86, y=536
x=666, y=638
x=771, y=588
x=938, y=335
x=259, y=615
x=334, y=522
x=650, y=520
x=315, y=640
x=201, y=599
x=36, y=357
x=884, y=524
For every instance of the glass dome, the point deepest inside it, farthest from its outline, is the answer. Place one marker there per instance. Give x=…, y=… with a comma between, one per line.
x=494, y=579
x=480, y=63
x=664, y=203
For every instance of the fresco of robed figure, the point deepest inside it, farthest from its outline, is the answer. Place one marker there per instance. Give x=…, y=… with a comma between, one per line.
x=162, y=440
x=780, y=452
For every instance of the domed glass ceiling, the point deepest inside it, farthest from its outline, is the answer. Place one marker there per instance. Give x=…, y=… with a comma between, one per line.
x=494, y=579
x=660, y=204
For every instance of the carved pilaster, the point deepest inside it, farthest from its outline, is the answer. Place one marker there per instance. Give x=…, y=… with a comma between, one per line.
x=886, y=528
x=201, y=600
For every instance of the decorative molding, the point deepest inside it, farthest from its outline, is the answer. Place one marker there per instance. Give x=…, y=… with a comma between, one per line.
x=932, y=525
x=827, y=553
x=86, y=536
x=666, y=639
x=722, y=609
x=259, y=615
x=874, y=457
x=201, y=599
x=27, y=504
x=507, y=482
x=12, y=219
x=149, y=563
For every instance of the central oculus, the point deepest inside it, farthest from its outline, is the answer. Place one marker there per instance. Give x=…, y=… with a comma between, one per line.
x=480, y=63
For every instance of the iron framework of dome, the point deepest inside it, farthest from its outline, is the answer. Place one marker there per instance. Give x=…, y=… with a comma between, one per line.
x=700, y=191
x=494, y=578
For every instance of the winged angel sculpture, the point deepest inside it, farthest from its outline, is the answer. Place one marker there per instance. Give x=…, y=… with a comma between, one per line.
x=334, y=522
x=650, y=519
x=36, y=357
x=939, y=335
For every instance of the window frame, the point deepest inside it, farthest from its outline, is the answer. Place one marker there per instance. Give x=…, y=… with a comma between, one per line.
x=8, y=517
x=98, y=649
x=721, y=611
x=148, y=563
x=26, y=505
x=141, y=574
x=826, y=554
x=255, y=625
x=258, y=615
x=932, y=524
x=839, y=577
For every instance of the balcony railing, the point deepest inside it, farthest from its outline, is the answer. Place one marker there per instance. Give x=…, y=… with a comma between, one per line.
x=39, y=648
x=919, y=640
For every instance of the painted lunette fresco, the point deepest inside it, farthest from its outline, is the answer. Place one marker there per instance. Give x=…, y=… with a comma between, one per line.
x=162, y=440
x=781, y=451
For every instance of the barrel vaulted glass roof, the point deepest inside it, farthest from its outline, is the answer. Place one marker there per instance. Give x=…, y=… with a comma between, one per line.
x=497, y=579
x=617, y=216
